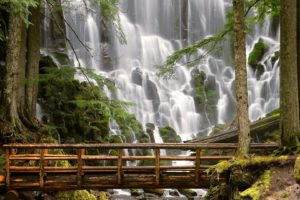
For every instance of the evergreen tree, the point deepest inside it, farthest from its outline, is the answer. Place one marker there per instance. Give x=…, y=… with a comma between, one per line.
x=289, y=103
x=241, y=78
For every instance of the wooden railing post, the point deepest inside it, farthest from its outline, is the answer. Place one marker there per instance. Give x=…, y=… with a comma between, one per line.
x=7, y=167
x=81, y=152
x=157, y=166
x=197, y=166
x=119, y=174
x=42, y=167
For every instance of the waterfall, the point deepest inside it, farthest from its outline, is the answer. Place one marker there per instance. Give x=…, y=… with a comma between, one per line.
x=155, y=29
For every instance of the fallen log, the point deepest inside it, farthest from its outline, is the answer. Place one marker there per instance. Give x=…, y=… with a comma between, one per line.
x=257, y=129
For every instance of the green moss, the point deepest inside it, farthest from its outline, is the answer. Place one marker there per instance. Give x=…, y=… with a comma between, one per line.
x=257, y=53
x=285, y=195
x=135, y=192
x=217, y=192
x=81, y=110
x=274, y=113
x=102, y=196
x=297, y=170
x=259, y=187
x=115, y=139
x=2, y=163
x=47, y=61
x=224, y=166
x=76, y=195
x=169, y=135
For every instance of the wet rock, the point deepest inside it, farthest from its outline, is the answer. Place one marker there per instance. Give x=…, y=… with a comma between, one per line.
x=169, y=135
x=190, y=194
x=150, y=130
x=275, y=57
x=210, y=83
x=46, y=61
x=254, y=59
x=260, y=69
x=137, y=76
x=152, y=94
x=106, y=56
x=205, y=94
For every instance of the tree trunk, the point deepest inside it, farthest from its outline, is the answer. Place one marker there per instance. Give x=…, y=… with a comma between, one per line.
x=289, y=103
x=241, y=79
x=22, y=71
x=12, y=81
x=33, y=58
x=298, y=49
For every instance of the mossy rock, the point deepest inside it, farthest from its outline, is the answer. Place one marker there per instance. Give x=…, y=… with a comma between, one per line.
x=218, y=128
x=76, y=195
x=297, y=170
x=150, y=131
x=47, y=61
x=259, y=187
x=169, y=135
x=115, y=139
x=62, y=58
x=254, y=59
x=136, y=192
x=188, y=193
x=260, y=48
x=218, y=192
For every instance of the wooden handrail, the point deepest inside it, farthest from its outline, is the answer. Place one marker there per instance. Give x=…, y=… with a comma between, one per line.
x=184, y=146
x=162, y=174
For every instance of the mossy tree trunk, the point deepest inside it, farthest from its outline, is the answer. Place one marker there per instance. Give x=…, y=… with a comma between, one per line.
x=21, y=72
x=33, y=58
x=289, y=100
x=241, y=79
x=12, y=78
x=298, y=49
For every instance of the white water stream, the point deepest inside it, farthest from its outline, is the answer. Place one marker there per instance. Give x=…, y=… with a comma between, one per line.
x=156, y=28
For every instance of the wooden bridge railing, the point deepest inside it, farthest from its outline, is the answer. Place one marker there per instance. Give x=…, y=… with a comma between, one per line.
x=34, y=166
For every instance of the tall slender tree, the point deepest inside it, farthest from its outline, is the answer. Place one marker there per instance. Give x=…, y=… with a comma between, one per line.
x=241, y=79
x=289, y=100
x=33, y=58
x=298, y=50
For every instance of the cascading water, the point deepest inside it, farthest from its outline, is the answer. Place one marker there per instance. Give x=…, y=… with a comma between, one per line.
x=156, y=28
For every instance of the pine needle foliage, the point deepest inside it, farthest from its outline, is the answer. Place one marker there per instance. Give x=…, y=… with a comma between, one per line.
x=18, y=7
x=207, y=45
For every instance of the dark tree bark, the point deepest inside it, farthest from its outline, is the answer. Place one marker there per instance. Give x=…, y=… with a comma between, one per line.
x=33, y=58
x=289, y=102
x=12, y=78
x=21, y=72
x=241, y=79
x=298, y=50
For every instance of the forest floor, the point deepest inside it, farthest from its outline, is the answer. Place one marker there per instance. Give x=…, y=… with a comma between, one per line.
x=283, y=185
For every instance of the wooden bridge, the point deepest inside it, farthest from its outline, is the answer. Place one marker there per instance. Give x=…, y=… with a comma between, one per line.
x=109, y=166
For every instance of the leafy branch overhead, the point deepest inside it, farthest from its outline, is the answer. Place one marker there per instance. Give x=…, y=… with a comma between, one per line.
x=200, y=49
x=208, y=45
x=110, y=15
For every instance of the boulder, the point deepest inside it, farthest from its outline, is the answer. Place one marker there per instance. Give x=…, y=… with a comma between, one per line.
x=255, y=56
x=137, y=76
